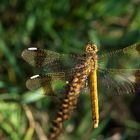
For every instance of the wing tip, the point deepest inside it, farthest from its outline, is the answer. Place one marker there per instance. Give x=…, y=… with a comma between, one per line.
x=24, y=53
x=31, y=82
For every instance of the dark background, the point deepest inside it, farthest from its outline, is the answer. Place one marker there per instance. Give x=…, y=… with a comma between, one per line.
x=64, y=26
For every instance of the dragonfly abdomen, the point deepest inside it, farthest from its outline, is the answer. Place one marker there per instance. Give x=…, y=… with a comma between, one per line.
x=69, y=102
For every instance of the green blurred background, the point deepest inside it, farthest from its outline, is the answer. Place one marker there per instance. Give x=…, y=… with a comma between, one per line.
x=64, y=26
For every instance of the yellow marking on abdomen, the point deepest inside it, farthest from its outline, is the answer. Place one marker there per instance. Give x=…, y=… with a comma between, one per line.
x=94, y=98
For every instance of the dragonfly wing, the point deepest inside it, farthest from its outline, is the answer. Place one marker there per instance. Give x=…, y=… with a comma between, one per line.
x=126, y=58
x=36, y=82
x=118, y=69
x=39, y=57
x=49, y=60
x=51, y=83
x=119, y=81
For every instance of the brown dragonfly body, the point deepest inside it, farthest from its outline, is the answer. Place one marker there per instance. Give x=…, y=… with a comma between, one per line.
x=75, y=87
x=123, y=81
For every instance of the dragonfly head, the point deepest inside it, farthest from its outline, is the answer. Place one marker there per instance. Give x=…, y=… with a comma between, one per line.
x=91, y=48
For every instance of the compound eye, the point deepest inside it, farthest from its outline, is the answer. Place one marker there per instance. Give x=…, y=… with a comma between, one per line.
x=91, y=48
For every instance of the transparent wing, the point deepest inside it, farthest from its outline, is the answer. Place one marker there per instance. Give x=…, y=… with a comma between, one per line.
x=119, y=70
x=51, y=83
x=127, y=58
x=49, y=60
x=119, y=81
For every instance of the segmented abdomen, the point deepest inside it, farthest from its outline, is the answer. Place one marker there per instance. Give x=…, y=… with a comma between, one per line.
x=68, y=103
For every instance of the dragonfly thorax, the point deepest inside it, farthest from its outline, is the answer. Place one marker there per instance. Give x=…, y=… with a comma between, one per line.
x=91, y=50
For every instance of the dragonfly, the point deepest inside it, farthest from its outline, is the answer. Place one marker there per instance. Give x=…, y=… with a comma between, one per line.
x=116, y=71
